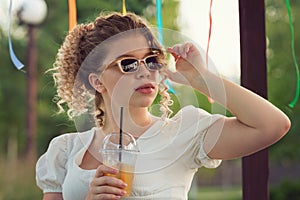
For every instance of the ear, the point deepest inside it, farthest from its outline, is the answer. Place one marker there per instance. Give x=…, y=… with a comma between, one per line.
x=96, y=83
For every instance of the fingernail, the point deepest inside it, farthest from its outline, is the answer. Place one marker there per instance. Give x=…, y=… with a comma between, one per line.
x=124, y=184
x=123, y=192
x=170, y=49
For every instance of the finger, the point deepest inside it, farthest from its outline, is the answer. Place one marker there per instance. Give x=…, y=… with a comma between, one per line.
x=109, y=190
x=175, y=48
x=108, y=180
x=103, y=169
x=107, y=197
x=182, y=50
x=111, y=181
x=187, y=47
x=176, y=56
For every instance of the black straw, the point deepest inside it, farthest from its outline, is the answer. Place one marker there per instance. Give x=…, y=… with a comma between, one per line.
x=121, y=134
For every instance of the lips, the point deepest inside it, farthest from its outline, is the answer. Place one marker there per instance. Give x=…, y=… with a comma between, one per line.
x=145, y=89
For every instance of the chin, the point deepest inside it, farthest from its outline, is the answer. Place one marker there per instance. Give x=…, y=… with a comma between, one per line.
x=143, y=103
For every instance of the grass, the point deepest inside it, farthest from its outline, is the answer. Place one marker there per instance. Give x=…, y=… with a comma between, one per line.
x=17, y=181
x=212, y=193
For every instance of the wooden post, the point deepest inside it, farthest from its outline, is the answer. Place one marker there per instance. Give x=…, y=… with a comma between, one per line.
x=31, y=123
x=255, y=169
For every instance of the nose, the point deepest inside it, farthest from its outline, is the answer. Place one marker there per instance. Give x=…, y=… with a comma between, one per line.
x=143, y=71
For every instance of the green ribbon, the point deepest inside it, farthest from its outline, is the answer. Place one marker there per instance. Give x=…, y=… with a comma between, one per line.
x=296, y=98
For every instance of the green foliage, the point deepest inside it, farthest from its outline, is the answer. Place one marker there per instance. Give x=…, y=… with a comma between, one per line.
x=281, y=72
x=286, y=191
x=12, y=97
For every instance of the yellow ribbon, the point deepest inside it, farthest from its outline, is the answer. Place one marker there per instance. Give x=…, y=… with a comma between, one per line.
x=123, y=7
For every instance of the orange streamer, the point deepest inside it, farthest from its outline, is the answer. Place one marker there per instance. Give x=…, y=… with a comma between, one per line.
x=72, y=14
x=208, y=42
x=209, y=32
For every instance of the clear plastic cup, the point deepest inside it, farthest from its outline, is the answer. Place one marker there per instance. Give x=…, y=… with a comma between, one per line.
x=121, y=155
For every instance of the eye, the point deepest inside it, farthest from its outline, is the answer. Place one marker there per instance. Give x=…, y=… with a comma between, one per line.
x=129, y=65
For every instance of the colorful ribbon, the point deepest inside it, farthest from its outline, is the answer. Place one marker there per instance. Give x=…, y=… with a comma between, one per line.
x=72, y=14
x=160, y=35
x=13, y=57
x=208, y=41
x=296, y=98
x=209, y=32
x=124, y=7
x=159, y=22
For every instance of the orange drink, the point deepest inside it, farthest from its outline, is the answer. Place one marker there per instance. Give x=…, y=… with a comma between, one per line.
x=125, y=174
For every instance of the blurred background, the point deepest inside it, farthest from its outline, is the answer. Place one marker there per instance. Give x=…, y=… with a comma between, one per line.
x=23, y=141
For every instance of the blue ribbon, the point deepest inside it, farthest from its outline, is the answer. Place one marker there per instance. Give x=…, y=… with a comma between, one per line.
x=159, y=21
x=13, y=57
x=160, y=36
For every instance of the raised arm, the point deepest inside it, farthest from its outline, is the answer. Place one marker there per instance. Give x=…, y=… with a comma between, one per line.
x=257, y=123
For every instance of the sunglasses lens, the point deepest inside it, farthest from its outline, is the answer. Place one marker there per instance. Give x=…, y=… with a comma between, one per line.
x=153, y=63
x=129, y=65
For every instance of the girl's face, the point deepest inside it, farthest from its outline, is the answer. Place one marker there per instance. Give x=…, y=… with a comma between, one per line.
x=137, y=88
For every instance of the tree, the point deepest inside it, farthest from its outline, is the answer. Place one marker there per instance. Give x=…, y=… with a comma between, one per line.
x=281, y=73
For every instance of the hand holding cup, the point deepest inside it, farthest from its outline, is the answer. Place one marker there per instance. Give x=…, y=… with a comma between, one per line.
x=120, y=156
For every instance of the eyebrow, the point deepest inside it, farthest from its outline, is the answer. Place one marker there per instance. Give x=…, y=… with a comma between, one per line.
x=130, y=55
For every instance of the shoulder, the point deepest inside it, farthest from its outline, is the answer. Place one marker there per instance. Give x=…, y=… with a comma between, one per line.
x=190, y=115
x=63, y=146
x=72, y=139
x=191, y=110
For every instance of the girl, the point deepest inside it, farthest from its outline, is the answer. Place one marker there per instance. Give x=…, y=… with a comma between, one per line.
x=117, y=62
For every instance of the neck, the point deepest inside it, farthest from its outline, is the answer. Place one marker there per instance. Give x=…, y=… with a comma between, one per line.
x=134, y=121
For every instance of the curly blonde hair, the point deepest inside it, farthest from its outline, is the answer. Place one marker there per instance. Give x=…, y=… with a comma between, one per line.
x=73, y=87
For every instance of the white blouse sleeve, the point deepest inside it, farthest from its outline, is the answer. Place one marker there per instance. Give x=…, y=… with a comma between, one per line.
x=202, y=120
x=203, y=158
x=50, y=168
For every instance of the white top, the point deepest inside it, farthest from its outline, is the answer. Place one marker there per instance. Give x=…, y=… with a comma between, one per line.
x=170, y=154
